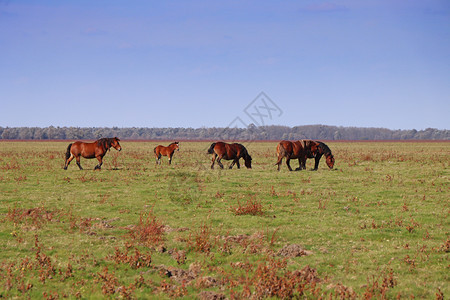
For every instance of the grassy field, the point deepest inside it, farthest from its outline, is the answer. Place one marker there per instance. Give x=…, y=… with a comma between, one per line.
x=377, y=226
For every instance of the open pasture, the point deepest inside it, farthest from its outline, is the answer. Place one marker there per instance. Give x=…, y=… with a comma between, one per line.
x=377, y=226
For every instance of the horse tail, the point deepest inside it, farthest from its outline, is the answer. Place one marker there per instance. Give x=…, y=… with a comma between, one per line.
x=68, y=151
x=211, y=149
x=281, y=151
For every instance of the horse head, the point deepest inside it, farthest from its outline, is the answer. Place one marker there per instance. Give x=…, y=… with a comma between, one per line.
x=248, y=160
x=177, y=145
x=330, y=161
x=115, y=143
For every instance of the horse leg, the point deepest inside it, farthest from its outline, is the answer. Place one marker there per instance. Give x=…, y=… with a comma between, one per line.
x=316, y=162
x=100, y=163
x=67, y=162
x=213, y=160
x=280, y=160
x=232, y=164
x=218, y=161
x=302, y=163
x=170, y=159
x=78, y=162
x=299, y=165
x=238, y=164
x=288, y=159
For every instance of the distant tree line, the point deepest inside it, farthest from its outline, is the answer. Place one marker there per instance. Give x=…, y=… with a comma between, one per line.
x=252, y=132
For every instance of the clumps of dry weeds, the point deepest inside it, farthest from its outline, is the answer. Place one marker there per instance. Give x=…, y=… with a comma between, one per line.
x=445, y=247
x=377, y=286
x=135, y=259
x=19, y=275
x=201, y=240
x=35, y=217
x=251, y=207
x=149, y=231
x=271, y=279
x=111, y=286
x=12, y=165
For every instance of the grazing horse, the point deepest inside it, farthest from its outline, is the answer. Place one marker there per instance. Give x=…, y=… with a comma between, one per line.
x=96, y=149
x=166, y=151
x=295, y=150
x=233, y=152
x=323, y=149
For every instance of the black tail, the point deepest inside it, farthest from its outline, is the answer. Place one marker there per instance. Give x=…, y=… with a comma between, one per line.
x=211, y=149
x=68, y=151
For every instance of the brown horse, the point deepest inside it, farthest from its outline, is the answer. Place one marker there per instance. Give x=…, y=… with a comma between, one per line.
x=96, y=149
x=322, y=149
x=166, y=151
x=233, y=152
x=295, y=150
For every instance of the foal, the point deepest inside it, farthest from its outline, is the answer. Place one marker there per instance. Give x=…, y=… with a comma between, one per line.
x=166, y=151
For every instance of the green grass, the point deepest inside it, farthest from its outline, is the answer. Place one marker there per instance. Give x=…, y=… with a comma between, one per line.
x=375, y=226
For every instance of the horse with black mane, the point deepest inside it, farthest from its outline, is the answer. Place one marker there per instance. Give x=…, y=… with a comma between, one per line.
x=296, y=150
x=322, y=149
x=166, y=151
x=96, y=149
x=235, y=151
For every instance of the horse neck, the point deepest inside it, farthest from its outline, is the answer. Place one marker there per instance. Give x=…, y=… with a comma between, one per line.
x=325, y=150
x=241, y=149
x=244, y=153
x=106, y=143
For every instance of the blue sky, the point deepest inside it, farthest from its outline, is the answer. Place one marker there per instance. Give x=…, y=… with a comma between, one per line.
x=371, y=63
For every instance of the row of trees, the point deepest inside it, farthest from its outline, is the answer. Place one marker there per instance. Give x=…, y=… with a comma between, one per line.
x=252, y=132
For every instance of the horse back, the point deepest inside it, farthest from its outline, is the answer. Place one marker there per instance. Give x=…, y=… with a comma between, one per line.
x=285, y=148
x=291, y=149
x=221, y=148
x=87, y=150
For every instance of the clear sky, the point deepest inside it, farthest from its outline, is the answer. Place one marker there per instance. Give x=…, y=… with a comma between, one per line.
x=178, y=63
